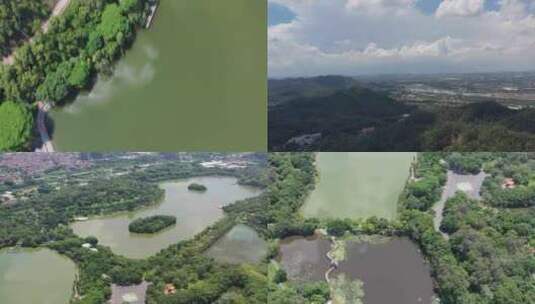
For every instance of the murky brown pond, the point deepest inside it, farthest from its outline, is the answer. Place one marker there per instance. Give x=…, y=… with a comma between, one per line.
x=304, y=259
x=392, y=272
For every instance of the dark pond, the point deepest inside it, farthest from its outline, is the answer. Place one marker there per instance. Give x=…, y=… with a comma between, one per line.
x=392, y=271
x=304, y=259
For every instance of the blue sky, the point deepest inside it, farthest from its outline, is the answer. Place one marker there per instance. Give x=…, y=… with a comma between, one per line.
x=278, y=13
x=312, y=37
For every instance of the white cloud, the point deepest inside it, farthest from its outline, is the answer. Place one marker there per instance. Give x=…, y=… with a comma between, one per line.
x=460, y=8
x=379, y=6
x=378, y=36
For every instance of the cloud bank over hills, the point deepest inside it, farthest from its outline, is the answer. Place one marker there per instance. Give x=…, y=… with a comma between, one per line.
x=353, y=37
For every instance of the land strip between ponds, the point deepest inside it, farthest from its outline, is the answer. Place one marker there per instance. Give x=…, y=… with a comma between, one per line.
x=332, y=260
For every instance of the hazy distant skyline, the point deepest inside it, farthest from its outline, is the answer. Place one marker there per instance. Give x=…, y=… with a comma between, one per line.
x=359, y=37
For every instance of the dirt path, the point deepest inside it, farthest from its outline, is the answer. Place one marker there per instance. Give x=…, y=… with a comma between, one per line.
x=59, y=8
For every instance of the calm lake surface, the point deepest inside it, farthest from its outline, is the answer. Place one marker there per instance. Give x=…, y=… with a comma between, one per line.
x=195, y=81
x=35, y=276
x=240, y=245
x=392, y=272
x=194, y=212
x=356, y=185
x=304, y=259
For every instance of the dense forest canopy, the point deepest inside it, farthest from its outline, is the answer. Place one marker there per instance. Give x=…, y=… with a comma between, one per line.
x=489, y=256
x=19, y=21
x=86, y=38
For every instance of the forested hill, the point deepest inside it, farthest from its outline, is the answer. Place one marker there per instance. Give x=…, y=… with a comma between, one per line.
x=283, y=90
x=358, y=119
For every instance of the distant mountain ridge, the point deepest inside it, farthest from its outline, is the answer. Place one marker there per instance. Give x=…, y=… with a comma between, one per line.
x=340, y=115
x=283, y=90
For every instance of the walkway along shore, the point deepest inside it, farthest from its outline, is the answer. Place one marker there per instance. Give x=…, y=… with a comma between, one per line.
x=153, y=8
x=333, y=265
x=333, y=262
x=47, y=145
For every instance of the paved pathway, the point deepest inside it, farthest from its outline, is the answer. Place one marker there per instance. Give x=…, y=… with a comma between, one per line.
x=470, y=184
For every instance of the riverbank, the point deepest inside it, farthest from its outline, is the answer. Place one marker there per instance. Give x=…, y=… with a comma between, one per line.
x=46, y=144
x=58, y=75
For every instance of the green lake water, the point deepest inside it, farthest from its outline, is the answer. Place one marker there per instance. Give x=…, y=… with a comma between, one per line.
x=194, y=212
x=38, y=276
x=240, y=245
x=357, y=185
x=195, y=81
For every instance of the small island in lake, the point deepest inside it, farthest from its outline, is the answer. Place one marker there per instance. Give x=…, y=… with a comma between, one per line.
x=151, y=224
x=197, y=187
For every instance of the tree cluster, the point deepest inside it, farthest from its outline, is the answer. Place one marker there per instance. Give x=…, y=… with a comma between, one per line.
x=430, y=176
x=151, y=224
x=197, y=187
x=16, y=123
